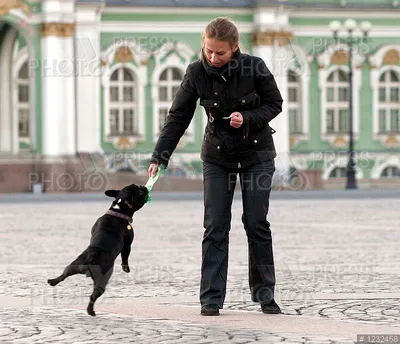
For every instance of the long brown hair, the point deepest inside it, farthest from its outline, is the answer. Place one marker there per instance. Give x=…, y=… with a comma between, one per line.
x=222, y=29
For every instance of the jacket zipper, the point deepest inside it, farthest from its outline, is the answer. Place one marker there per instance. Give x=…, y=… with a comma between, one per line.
x=227, y=93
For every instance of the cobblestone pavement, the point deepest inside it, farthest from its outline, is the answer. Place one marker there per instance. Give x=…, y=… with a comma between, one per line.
x=337, y=264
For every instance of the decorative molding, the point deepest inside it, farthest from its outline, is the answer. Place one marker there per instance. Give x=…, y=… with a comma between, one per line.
x=385, y=55
x=341, y=13
x=124, y=143
x=392, y=57
x=124, y=48
x=293, y=141
x=340, y=142
x=339, y=57
x=324, y=31
x=301, y=160
x=182, y=143
x=392, y=141
x=57, y=29
x=164, y=51
x=160, y=27
x=123, y=55
x=173, y=10
x=7, y=5
x=284, y=38
x=263, y=38
x=269, y=37
x=338, y=161
x=337, y=54
x=383, y=161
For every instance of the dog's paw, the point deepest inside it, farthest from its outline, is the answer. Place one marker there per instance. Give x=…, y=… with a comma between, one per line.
x=125, y=267
x=52, y=282
x=90, y=310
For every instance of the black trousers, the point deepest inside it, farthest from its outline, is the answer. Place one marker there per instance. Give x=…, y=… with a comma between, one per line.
x=219, y=187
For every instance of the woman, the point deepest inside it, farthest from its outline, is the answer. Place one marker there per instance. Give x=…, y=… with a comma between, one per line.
x=240, y=97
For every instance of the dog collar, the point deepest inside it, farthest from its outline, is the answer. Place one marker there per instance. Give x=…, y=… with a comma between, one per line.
x=121, y=216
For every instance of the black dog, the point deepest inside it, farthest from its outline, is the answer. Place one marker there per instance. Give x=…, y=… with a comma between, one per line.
x=112, y=234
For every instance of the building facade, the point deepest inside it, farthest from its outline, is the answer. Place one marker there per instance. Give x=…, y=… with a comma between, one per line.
x=98, y=78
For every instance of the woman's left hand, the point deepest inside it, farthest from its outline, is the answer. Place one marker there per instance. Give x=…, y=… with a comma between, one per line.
x=236, y=119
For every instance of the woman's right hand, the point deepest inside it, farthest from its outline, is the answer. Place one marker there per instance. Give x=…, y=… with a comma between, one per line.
x=153, y=168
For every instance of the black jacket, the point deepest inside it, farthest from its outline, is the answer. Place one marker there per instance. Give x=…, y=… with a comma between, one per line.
x=245, y=85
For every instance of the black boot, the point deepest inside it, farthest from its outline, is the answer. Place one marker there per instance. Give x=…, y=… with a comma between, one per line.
x=270, y=308
x=209, y=309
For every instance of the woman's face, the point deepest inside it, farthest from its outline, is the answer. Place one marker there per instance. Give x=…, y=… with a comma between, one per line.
x=218, y=52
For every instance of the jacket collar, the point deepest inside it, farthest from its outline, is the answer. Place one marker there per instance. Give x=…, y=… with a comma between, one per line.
x=226, y=71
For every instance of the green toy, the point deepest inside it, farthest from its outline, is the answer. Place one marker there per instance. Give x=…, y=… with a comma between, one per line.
x=152, y=180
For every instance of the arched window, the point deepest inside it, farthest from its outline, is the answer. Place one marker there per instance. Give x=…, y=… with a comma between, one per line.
x=337, y=97
x=389, y=102
x=170, y=80
x=123, y=118
x=338, y=172
x=23, y=100
x=294, y=103
x=391, y=172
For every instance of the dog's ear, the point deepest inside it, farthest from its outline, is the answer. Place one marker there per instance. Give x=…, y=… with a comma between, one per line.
x=112, y=193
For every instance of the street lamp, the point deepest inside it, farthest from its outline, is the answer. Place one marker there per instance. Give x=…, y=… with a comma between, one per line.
x=349, y=27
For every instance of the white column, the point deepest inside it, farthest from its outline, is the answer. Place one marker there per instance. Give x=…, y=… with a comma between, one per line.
x=273, y=59
x=7, y=126
x=58, y=77
x=281, y=122
x=88, y=77
x=270, y=45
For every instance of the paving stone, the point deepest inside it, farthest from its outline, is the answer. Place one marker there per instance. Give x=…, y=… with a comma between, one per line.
x=322, y=247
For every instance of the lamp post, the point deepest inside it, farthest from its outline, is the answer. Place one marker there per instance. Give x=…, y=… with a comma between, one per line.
x=349, y=27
